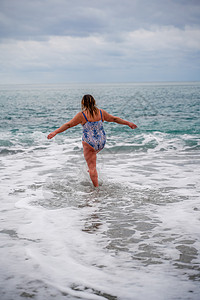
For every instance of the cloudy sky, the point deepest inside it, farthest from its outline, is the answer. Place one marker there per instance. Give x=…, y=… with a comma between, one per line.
x=59, y=41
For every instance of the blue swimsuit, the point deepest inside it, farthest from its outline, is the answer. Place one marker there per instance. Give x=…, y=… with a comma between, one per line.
x=94, y=134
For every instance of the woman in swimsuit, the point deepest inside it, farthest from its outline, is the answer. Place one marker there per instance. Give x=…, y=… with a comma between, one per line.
x=94, y=137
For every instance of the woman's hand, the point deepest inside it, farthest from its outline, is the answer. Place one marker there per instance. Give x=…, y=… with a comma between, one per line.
x=51, y=135
x=132, y=125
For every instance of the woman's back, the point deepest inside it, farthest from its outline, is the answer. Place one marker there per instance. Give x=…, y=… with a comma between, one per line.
x=96, y=117
x=93, y=131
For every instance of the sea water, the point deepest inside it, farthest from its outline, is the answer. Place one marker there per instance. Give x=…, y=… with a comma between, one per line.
x=137, y=236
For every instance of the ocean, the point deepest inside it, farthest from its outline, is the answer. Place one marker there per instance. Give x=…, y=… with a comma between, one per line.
x=137, y=236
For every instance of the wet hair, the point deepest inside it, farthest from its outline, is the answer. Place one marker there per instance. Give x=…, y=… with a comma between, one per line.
x=88, y=102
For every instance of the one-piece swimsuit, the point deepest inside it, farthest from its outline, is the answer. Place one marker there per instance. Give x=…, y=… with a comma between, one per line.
x=94, y=134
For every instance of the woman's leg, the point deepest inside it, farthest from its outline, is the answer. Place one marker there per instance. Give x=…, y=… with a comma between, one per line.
x=91, y=157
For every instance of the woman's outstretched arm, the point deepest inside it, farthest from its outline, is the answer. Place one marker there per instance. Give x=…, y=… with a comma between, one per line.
x=110, y=118
x=73, y=122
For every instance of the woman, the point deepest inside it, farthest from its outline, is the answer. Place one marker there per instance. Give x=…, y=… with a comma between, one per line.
x=94, y=138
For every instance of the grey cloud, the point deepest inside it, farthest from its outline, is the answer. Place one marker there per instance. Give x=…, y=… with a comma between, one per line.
x=27, y=19
x=107, y=40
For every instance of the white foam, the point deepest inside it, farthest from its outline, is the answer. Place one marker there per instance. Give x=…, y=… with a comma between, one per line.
x=48, y=200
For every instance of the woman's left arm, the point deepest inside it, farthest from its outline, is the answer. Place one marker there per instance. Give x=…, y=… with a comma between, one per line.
x=73, y=122
x=110, y=118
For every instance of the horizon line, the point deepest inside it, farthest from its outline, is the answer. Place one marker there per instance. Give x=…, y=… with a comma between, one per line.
x=114, y=82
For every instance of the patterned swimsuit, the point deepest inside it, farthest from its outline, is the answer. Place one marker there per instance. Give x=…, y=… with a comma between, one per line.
x=94, y=134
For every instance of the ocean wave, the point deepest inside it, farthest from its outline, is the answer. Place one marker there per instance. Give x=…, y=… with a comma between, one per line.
x=156, y=141
x=5, y=151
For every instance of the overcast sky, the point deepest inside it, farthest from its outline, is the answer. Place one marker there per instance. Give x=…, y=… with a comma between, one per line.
x=60, y=41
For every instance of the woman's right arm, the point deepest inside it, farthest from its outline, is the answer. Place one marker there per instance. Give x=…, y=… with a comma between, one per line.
x=73, y=122
x=110, y=118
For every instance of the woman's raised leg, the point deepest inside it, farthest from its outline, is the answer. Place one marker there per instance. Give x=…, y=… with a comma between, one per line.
x=91, y=157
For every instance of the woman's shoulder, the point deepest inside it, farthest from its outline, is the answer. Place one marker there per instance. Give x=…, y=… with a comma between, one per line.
x=96, y=115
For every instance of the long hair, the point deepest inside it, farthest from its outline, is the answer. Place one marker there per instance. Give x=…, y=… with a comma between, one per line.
x=88, y=102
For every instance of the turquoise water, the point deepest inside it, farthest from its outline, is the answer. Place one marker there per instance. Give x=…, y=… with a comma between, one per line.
x=137, y=236
x=171, y=109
